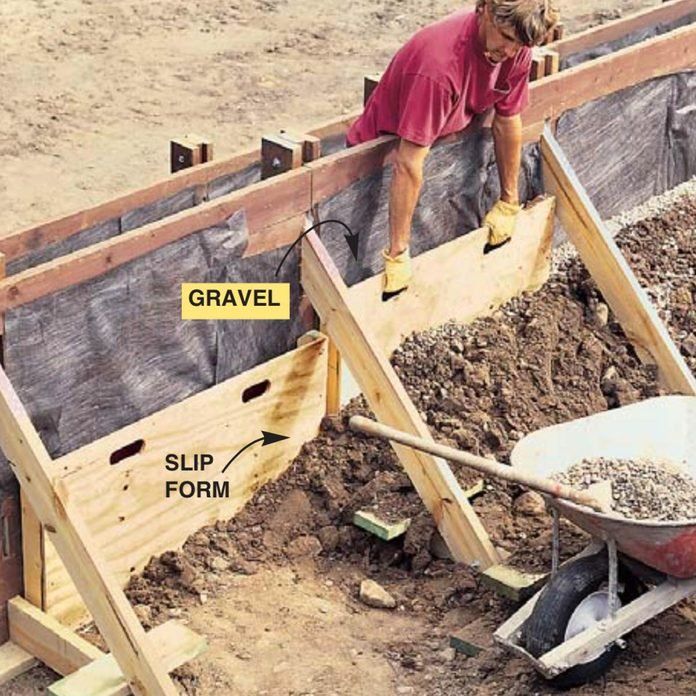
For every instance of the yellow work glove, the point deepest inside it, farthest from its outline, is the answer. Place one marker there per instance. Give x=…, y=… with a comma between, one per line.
x=500, y=222
x=397, y=272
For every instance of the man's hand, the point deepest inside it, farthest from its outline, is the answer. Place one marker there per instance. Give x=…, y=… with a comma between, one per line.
x=500, y=221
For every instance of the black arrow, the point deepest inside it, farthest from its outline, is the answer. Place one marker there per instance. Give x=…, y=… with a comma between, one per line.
x=266, y=437
x=352, y=239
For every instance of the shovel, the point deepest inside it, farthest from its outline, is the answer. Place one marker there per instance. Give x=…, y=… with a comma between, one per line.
x=597, y=497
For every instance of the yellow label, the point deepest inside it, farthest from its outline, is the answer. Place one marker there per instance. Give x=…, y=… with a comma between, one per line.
x=235, y=300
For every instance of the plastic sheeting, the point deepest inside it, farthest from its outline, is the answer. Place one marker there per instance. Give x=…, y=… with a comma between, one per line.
x=633, y=144
x=181, y=200
x=460, y=185
x=94, y=357
x=625, y=41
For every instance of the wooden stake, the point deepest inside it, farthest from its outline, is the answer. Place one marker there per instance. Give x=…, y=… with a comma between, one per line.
x=333, y=387
x=282, y=152
x=369, y=84
x=552, y=62
x=385, y=394
x=108, y=605
x=538, y=64
x=189, y=151
x=32, y=554
x=311, y=145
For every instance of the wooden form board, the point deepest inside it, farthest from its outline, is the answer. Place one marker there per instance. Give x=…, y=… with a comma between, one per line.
x=431, y=477
x=43, y=636
x=549, y=98
x=108, y=605
x=610, y=271
x=290, y=198
x=124, y=505
x=662, y=55
x=618, y=28
x=476, y=284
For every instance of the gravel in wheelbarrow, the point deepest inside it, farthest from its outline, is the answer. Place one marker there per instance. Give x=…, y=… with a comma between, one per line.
x=641, y=489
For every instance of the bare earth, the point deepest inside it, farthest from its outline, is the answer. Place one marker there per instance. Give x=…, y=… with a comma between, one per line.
x=92, y=93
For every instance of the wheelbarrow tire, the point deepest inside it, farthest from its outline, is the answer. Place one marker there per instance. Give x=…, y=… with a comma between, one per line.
x=545, y=628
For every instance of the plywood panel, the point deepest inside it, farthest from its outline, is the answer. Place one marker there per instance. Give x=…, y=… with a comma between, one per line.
x=458, y=281
x=125, y=506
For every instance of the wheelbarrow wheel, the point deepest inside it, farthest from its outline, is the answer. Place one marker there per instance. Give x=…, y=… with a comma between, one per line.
x=575, y=584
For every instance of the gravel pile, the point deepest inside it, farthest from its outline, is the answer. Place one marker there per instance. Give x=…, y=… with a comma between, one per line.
x=642, y=489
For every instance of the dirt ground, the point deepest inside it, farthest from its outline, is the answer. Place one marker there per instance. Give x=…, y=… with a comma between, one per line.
x=92, y=88
x=93, y=91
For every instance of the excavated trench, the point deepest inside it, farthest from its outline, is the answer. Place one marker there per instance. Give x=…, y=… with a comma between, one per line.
x=541, y=359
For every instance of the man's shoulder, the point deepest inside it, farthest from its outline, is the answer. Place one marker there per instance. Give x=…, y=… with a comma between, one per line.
x=433, y=51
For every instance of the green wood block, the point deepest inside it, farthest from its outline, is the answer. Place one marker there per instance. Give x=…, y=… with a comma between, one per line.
x=463, y=643
x=384, y=530
x=512, y=583
x=474, y=490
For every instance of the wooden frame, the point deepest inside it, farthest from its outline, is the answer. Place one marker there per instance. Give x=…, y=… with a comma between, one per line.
x=108, y=605
x=117, y=499
x=82, y=543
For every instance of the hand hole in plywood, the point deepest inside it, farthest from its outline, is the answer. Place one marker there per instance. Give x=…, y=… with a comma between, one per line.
x=129, y=450
x=6, y=548
x=255, y=391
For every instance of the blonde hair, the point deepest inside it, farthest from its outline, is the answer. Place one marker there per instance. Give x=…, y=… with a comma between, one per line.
x=531, y=20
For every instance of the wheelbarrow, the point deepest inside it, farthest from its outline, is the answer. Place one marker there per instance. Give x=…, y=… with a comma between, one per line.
x=571, y=630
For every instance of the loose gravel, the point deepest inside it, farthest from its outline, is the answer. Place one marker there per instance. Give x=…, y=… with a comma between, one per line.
x=641, y=489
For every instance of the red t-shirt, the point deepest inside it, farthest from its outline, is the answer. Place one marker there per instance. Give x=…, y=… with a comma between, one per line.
x=438, y=81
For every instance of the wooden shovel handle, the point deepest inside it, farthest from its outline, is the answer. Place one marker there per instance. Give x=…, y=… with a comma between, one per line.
x=491, y=467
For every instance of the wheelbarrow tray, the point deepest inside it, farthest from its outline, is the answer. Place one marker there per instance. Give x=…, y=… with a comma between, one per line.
x=662, y=428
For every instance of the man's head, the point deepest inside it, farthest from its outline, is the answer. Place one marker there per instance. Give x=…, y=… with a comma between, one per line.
x=507, y=25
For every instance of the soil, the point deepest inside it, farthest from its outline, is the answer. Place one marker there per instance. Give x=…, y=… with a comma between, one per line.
x=275, y=590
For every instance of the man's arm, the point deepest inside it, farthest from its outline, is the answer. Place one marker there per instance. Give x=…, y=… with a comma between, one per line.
x=507, y=136
x=407, y=177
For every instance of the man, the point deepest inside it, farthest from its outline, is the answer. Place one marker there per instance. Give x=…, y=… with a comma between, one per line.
x=463, y=65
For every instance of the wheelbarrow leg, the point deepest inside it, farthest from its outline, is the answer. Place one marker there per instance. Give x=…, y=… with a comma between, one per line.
x=555, y=541
x=613, y=577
